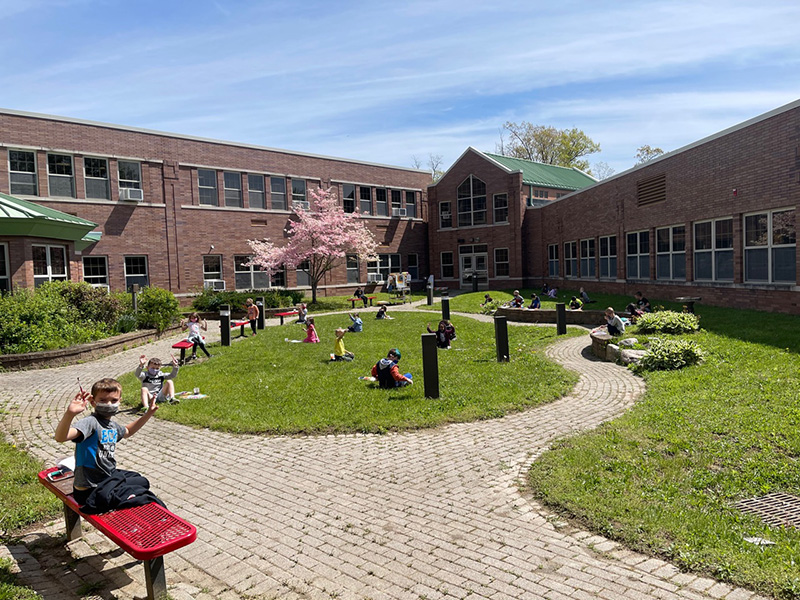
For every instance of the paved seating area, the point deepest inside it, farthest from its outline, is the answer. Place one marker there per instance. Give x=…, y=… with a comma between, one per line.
x=425, y=514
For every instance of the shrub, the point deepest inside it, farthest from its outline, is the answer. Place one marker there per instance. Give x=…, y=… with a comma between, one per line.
x=125, y=324
x=158, y=308
x=668, y=355
x=490, y=307
x=92, y=304
x=210, y=300
x=668, y=321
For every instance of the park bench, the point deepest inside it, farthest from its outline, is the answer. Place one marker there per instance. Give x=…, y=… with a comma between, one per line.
x=289, y=313
x=240, y=323
x=354, y=300
x=183, y=346
x=146, y=532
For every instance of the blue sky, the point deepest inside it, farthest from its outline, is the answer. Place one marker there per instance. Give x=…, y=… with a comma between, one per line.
x=384, y=81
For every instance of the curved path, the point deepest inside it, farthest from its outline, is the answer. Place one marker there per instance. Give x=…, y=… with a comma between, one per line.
x=418, y=515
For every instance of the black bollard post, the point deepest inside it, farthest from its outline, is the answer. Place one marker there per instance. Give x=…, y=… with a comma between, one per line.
x=225, y=324
x=260, y=305
x=430, y=365
x=501, y=338
x=446, y=308
x=474, y=281
x=430, y=295
x=561, y=318
x=135, y=293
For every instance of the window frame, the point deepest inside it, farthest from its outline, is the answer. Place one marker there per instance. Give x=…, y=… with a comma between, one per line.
x=553, y=260
x=207, y=273
x=232, y=195
x=388, y=262
x=129, y=276
x=675, y=259
x=239, y=269
x=639, y=256
x=260, y=195
x=87, y=160
x=129, y=183
x=449, y=212
x=276, y=181
x=607, y=261
x=468, y=206
x=299, y=190
x=381, y=202
x=411, y=206
x=12, y=172
x=207, y=195
x=771, y=247
x=96, y=280
x=349, y=197
x=70, y=176
x=365, y=199
x=50, y=274
x=5, y=269
x=446, y=266
x=500, y=210
x=412, y=267
x=497, y=262
x=352, y=268
x=588, y=258
x=571, y=259
x=716, y=252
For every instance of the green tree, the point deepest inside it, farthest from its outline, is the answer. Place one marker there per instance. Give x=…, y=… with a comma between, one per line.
x=547, y=144
x=647, y=153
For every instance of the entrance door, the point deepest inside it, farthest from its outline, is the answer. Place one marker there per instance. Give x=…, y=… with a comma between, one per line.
x=474, y=264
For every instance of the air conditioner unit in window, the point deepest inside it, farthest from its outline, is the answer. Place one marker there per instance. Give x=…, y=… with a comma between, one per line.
x=132, y=194
x=398, y=212
x=101, y=285
x=304, y=204
x=374, y=277
x=214, y=284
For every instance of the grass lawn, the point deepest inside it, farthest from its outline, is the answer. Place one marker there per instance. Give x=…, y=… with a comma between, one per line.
x=263, y=384
x=664, y=477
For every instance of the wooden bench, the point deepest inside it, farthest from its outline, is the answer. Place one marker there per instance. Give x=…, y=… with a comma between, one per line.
x=146, y=532
x=354, y=300
x=242, y=323
x=290, y=313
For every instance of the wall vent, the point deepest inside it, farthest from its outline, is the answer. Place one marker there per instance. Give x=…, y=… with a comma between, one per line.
x=651, y=190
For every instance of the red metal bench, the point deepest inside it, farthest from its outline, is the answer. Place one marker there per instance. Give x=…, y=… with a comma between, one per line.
x=146, y=532
x=290, y=313
x=183, y=346
x=240, y=323
x=354, y=300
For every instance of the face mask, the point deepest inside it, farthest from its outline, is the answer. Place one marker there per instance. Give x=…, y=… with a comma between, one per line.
x=153, y=372
x=106, y=410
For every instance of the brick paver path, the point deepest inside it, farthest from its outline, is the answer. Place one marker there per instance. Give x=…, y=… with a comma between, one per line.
x=419, y=515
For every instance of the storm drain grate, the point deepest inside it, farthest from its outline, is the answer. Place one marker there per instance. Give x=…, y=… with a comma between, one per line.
x=774, y=509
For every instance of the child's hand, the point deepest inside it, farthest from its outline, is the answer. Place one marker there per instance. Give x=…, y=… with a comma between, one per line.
x=143, y=360
x=152, y=408
x=78, y=404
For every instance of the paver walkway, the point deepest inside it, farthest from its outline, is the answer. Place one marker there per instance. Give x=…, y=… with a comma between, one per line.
x=419, y=515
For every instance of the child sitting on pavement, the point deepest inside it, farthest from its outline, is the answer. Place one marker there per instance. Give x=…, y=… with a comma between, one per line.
x=339, y=352
x=358, y=325
x=99, y=486
x=387, y=373
x=157, y=386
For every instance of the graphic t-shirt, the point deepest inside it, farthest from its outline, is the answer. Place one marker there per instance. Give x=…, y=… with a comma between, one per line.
x=94, y=450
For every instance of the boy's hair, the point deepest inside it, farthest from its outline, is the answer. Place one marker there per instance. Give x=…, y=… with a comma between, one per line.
x=638, y=294
x=106, y=385
x=394, y=352
x=609, y=310
x=154, y=361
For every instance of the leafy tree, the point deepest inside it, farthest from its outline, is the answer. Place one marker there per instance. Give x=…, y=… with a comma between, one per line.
x=546, y=144
x=647, y=153
x=318, y=240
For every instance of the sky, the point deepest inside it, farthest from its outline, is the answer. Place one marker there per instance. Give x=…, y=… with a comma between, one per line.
x=388, y=81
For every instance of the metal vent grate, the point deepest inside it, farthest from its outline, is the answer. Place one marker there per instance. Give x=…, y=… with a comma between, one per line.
x=652, y=190
x=777, y=509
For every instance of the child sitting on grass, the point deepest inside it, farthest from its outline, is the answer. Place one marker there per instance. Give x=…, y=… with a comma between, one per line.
x=357, y=325
x=339, y=352
x=157, y=386
x=382, y=313
x=311, y=333
x=387, y=373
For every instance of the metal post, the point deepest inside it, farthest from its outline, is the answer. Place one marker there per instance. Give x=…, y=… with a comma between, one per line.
x=430, y=365
x=446, y=308
x=260, y=305
x=72, y=521
x=501, y=338
x=225, y=324
x=155, y=580
x=134, y=292
x=430, y=295
x=561, y=318
x=474, y=281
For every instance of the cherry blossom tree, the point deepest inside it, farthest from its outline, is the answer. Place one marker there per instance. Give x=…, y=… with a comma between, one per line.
x=318, y=239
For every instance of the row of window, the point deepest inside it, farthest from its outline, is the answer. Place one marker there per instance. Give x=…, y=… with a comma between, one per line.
x=769, y=240
x=471, y=206
x=377, y=201
x=61, y=175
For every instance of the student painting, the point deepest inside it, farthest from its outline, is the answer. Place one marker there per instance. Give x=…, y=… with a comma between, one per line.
x=614, y=323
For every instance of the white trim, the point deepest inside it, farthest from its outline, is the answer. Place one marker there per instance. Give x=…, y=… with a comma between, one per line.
x=12, y=146
x=376, y=185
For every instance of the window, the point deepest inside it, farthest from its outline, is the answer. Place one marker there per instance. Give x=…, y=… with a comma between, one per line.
x=278, y=192
x=608, y=257
x=769, y=247
x=5, y=270
x=471, y=202
x=136, y=272
x=381, y=206
x=256, y=193
x=397, y=201
x=130, y=174
x=278, y=278
x=671, y=253
x=552, y=260
x=413, y=266
x=501, y=208
x=95, y=171
x=95, y=271
x=365, y=200
x=59, y=175
x=49, y=264
x=232, y=191
x=207, y=183
x=588, y=258
x=303, y=278
x=713, y=250
x=386, y=263
x=541, y=194
x=22, y=170
x=353, y=275
x=411, y=205
x=212, y=267
x=445, y=216
x=638, y=255
x=501, y=268
x=447, y=265
x=298, y=190
x=349, y=197
x=248, y=277
x=570, y=259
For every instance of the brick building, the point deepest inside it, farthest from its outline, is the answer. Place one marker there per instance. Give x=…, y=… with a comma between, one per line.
x=176, y=211
x=716, y=219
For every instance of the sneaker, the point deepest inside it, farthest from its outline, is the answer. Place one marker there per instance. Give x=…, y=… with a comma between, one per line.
x=193, y=357
x=171, y=400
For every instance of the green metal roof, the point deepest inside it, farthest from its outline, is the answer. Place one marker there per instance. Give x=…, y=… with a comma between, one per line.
x=542, y=175
x=22, y=218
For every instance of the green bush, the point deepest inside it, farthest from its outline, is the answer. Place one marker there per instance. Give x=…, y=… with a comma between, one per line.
x=668, y=355
x=157, y=308
x=126, y=323
x=92, y=304
x=490, y=307
x=667, y=321
x=210, y=300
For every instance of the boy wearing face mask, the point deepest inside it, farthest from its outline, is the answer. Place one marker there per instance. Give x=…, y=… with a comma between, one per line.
x=96, y=438
x=156, y=385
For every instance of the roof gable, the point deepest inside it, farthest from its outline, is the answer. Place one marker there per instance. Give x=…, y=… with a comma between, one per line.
x=543, y=175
